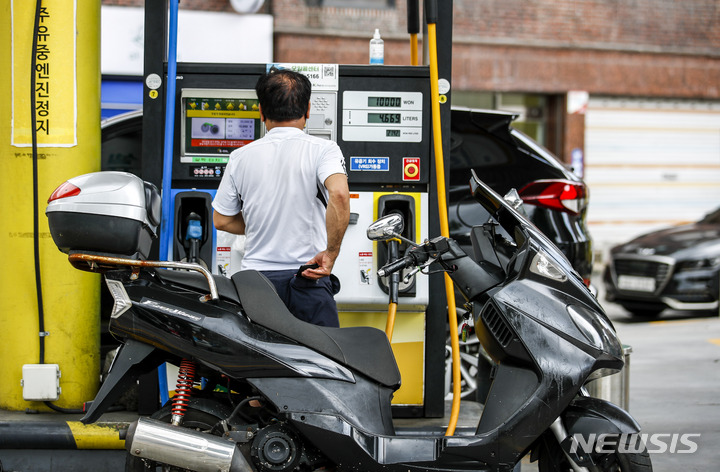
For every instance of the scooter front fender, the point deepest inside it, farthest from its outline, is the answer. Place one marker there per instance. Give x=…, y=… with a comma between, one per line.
x=588, y=420
x=588, y=415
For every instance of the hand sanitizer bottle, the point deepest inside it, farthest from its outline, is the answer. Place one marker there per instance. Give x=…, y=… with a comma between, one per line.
x=377, y=49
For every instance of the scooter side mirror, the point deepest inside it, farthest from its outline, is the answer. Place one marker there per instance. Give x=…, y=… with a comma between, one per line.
x=387, y=227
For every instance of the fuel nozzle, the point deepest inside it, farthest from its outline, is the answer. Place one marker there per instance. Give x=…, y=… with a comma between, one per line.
x=193, y=236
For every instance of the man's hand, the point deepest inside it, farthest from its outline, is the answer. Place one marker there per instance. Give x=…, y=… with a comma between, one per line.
x=336, y=216
x=325, y=262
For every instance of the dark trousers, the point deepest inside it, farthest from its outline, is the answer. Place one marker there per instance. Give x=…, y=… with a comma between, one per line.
x=309, y=300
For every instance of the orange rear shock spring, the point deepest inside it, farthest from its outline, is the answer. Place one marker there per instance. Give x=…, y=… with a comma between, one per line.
x=183, y=390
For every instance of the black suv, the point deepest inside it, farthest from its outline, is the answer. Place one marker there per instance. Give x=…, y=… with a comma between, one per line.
x=504, y=158
x=554, y=199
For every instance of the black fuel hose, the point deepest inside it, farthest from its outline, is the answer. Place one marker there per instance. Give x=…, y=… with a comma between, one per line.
x=36, y=224
x=36, y=212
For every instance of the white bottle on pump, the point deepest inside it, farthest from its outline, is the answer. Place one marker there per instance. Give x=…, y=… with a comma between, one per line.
x=377, y=49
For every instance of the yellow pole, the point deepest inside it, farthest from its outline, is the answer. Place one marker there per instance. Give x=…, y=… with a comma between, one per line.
x=444, y=227
x=67, y=118
x=414, y=49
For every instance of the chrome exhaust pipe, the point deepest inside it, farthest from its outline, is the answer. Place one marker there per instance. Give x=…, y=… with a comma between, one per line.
x=185, y=448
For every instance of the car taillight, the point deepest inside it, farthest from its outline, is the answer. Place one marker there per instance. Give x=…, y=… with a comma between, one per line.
x=65, y=190
x=563, y=195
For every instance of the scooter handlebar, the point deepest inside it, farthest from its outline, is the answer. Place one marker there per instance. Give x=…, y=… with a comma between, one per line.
x=399, y=264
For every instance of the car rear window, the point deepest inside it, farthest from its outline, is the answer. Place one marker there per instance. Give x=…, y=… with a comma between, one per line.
x=500, y=164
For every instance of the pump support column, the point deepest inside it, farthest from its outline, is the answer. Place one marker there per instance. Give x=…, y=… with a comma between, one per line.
x=67, y=117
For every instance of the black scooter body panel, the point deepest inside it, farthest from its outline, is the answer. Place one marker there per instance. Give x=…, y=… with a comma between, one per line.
x=364, y=404
x=216, y=334
x=132, y=360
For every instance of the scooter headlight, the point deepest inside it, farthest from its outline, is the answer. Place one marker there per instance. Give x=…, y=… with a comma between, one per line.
x=596, y=330
x=122, y=302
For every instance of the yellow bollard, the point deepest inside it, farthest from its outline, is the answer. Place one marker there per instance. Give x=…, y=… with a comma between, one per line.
x=67, y=118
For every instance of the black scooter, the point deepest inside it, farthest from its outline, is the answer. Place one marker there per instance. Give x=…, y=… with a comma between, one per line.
x=281, y=395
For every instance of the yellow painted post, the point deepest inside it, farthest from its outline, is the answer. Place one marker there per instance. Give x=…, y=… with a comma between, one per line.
x=67, y=120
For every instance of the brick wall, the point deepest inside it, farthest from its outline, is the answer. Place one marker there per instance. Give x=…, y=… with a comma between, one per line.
x=653, y=48
x=661, y=25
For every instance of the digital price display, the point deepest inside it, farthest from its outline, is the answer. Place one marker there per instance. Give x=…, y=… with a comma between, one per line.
x=381, y=116
x=384, y=102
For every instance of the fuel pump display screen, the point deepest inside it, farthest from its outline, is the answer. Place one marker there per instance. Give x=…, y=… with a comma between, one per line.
x=216, y=122
x=384, y=118
x=384, y=102
x=393, y=117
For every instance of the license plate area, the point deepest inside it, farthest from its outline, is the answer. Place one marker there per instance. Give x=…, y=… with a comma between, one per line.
x=635, y=283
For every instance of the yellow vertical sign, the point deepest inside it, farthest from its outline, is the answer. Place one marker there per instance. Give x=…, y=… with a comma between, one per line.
x=55, y=113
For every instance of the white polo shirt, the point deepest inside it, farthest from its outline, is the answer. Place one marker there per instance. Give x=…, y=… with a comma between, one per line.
x=275, y=181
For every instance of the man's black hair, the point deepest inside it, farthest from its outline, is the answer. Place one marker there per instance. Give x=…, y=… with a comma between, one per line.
x=284, y=94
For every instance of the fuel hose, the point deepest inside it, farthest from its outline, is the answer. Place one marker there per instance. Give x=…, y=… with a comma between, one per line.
x=36, y=212
x=431, y=15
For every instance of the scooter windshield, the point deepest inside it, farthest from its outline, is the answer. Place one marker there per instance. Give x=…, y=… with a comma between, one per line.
x=516, y=226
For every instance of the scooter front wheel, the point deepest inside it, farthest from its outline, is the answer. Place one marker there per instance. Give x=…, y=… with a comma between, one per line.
x=551, y=458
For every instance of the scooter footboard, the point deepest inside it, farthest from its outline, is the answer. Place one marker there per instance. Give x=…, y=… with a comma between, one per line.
x=355, y=449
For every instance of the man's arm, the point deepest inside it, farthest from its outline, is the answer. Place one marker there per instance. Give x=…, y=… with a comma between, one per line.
x=232, y=224
x=337, y=216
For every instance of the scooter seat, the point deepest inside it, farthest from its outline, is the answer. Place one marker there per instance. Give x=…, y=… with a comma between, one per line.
x=197, y=282
x=364, y=349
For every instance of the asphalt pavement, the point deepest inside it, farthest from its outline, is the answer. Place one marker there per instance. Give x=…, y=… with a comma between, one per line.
x=675, y=386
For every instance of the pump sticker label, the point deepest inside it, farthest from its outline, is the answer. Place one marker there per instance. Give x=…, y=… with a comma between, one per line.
x=370, y=164
x=365, y=260
x=323, y=77
x=411, y=168
x=222, y=258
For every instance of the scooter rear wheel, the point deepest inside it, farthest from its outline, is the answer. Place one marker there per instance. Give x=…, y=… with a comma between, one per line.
x=552, y=459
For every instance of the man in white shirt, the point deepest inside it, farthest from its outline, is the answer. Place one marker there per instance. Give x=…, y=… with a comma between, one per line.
x=288, y=194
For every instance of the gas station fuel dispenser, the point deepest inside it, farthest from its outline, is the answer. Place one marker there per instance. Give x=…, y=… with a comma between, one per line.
x=380, y=118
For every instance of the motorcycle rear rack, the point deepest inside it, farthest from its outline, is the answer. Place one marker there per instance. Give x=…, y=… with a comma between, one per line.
x=98, y=263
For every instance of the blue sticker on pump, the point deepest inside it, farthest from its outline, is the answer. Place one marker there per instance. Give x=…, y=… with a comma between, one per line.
x=370, y=164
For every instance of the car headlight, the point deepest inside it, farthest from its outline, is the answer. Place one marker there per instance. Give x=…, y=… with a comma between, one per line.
x=699, y=264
